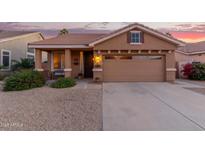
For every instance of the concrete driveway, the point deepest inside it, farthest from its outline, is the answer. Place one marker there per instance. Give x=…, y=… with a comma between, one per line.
x=153, y=106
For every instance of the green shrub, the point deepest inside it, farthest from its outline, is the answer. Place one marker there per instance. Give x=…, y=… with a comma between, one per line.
x=24, y=80
x=24, y=63
x=194, y=71
x=63, y=83
x=198, y=71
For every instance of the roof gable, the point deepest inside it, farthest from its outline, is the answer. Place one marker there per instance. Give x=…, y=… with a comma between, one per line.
x=12, y=35
x=141, y=27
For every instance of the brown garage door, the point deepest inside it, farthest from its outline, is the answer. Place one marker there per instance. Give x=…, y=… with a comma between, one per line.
x=134, y=68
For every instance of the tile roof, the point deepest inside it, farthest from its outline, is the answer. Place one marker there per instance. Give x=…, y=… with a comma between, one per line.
x=9, y=34
x=71, y=39
x=193, y=47
x=89, y=38
x=145, y=27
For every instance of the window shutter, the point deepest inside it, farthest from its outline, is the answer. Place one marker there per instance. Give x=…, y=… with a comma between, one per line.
x=128, y=37
x=142, y=37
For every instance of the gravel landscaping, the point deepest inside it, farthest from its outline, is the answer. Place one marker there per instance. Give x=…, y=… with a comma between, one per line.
x=77, y=108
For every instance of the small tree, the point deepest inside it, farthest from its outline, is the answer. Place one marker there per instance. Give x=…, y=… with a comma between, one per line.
x=24, y=63
x=169, y=34
x=63, y=32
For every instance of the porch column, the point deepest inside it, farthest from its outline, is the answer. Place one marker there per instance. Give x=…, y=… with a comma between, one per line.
x=49, y=60
x=68, y=68
x=38, y=60
x=81, y=63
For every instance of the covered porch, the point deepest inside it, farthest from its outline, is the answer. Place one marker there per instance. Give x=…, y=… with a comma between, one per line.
x=75, y=63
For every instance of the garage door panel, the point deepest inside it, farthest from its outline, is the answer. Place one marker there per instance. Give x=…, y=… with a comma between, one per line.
x=134, y=70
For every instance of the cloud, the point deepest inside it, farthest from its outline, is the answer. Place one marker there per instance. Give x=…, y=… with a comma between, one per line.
x=16, y=26
x=185, y=27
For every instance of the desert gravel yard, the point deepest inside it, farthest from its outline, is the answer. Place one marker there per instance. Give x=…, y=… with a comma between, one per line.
x=77, y=108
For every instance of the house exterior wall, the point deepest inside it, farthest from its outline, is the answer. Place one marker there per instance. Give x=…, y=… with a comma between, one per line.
x=151, y=43
x=120, y=42
x=180, y=57
x=18, y=47
x=119, y=45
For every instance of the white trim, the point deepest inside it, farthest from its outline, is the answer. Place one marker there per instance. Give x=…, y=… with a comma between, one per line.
x=4, y=50
x=135, y=31
x=30, y=54
x=20, y=36
x=171, y=69
x=132, y=43
x=141, y=28
x=57, y=46
x=192, y=53
x=39, y=69
x=169, y=52
x=68, y=69
x=182, y=52
x=195, y=53
x=97, y=69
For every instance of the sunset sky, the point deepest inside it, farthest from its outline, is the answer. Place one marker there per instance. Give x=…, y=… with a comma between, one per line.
x=188, y=32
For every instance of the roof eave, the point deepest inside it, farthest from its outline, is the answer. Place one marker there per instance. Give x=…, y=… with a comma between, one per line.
x=175, y=41
x=20, y=36
x=190, y=53
x=46, y=46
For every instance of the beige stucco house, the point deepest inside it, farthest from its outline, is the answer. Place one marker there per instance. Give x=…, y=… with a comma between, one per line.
x=194, y=52
x=191, y=52
x=14, y=46
x=132, y=53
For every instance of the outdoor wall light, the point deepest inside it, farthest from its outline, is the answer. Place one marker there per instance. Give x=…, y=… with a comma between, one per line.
x=97, y=59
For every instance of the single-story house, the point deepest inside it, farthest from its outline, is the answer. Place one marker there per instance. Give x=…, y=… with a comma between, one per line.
x=14, y=46
x=194, y=52
x=191, y=52
x=132, y=53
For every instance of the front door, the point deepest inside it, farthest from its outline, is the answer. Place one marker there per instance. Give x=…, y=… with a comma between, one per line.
x=88, y=64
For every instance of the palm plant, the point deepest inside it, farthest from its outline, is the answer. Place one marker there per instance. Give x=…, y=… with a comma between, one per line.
x=24, y=63
x=63, y=32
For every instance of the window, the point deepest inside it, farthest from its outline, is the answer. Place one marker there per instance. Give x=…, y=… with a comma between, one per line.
x=30, y=53
x=31, y=50
x=58, y=60
x=135, y=37
x=146, y=57
x=30, y=56
x=6, y=59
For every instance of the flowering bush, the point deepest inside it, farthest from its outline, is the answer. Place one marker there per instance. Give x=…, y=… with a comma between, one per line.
x=187, y=70
x=195, y=71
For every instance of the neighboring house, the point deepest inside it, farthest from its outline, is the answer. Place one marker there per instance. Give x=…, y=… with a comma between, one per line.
x=132, y=53
x=14, y=46
x=191, y=52
x=194, y=52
